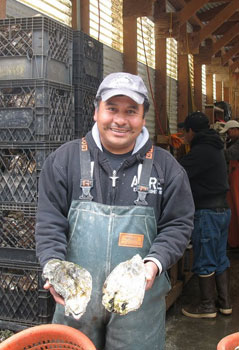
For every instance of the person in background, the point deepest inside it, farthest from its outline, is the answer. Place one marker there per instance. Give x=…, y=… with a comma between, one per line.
x=232, y=156
x=107, y=197
x=207, y=171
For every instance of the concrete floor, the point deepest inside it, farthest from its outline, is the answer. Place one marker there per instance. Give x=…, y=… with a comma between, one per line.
x=184, y=333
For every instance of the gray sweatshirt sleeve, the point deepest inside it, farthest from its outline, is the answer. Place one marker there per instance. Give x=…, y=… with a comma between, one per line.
x=175, y=224
x=51, y=220
x=232, y=152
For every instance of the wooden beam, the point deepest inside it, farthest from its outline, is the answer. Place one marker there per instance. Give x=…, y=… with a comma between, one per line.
x=209, y=88
x=197, y=85
x=74, y=21
x=138, y=8
x=189, y=10
x=232, y=52
x=84, y=16
x=130, y=44
x=216, y=67
x=183, y=79
x=208, y=15
x=197, y=37
x=234, y=67
x=227, y=37
x=226, y=93
x=3, y=7
x=219, y=90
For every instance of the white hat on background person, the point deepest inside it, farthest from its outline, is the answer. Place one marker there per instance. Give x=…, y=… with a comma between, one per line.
x=229, y=125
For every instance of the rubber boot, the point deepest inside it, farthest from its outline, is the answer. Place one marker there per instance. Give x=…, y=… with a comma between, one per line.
x=223, y=294
x=206, y=308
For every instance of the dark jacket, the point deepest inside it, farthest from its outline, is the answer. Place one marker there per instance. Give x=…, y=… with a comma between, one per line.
x=207, y=171
x=232, y=152
x=170, y=196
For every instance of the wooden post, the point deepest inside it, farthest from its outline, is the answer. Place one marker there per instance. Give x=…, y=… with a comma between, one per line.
x=219, y=91
x=209, y=88
x=197, y=84
x=160, y=77
x=3, y=7
x=226, y=93
x=130, y=44
x=85, y=16
x=183, y=75
x=74, y=21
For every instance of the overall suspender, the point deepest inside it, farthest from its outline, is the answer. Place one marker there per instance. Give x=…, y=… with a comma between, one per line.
x=86, y=181
x=143, y=186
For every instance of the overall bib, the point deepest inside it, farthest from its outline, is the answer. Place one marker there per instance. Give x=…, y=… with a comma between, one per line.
x=102, y=236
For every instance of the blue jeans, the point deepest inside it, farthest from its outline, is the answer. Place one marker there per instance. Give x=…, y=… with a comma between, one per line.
x=209, y=240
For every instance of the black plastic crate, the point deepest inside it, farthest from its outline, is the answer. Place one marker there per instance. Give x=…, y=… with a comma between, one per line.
x=17, y=239
x=34, y=110
x=87, y=60
x=84, y=110
x=20, y=167
x=23, y=301
x=35, y=47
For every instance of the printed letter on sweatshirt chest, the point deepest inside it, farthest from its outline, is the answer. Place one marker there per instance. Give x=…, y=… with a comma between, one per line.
x=154, y=185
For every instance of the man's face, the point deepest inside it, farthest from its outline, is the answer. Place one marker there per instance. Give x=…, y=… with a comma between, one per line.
x=120, y=121
x=233, y=133
x=188, y=136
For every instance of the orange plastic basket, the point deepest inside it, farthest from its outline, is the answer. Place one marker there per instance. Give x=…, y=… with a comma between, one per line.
x=48, y=336
x=230, y=342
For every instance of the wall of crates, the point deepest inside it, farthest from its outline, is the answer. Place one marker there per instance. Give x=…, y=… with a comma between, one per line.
x=49, y=75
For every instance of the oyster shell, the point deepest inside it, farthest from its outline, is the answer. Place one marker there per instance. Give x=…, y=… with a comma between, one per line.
x=124, y=288
x=72, y=282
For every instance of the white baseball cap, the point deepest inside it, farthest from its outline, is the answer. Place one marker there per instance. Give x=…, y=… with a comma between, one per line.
x=229, y=125
x=125, y=84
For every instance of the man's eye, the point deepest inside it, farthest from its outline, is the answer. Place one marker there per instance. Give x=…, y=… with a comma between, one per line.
x=131, y=111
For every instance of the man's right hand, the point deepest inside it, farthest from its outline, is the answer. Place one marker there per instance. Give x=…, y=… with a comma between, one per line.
x=56, y=296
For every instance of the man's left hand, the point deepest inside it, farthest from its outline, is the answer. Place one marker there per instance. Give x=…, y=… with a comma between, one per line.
x=151, y=272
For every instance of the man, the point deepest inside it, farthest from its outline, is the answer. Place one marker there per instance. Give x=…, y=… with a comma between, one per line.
x=110, y=196
x=206, y=168
x=232, y=156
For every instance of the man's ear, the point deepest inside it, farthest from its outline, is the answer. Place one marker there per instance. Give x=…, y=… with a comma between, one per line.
x=95, y=115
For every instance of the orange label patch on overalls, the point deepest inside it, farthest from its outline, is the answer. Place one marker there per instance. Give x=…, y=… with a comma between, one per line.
x=133, y=240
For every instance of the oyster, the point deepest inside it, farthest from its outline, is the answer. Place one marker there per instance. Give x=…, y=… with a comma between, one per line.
x=124, y=288
x=72, y=282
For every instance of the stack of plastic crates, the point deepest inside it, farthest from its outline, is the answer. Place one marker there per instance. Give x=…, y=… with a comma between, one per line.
x=36, y=117
x=87, y=76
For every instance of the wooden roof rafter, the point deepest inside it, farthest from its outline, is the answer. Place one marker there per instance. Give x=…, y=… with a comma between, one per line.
x=197, y=38
x=230, y=54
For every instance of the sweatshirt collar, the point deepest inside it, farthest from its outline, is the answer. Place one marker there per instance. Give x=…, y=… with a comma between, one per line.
x=140, y=141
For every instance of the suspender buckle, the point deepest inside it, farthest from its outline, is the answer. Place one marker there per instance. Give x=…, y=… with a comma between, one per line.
x=142, y=193
x=86, y=186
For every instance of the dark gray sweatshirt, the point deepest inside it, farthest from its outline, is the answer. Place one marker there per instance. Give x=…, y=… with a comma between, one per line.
x=170, y=196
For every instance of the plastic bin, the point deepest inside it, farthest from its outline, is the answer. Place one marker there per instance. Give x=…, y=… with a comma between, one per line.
x=20, y=169
x=17, y=240
x=230, y=342
x=35, y=47
x=52, y=336
x=87, y=60
x=84, y=110
x=36, y=111
x=23, y=301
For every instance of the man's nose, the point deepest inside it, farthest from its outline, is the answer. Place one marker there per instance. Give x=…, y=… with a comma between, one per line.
x=119, y=118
